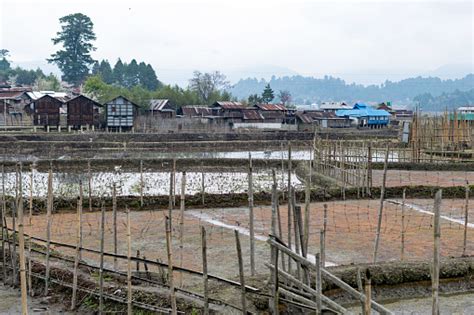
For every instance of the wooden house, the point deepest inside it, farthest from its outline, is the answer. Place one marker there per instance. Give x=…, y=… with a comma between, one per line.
x=195, y=111
x=82, y=111
x=46, y=111
x=308, y=120
x=230, y=111
x=120, y=113
x=365, y=116
x=162, y=108
x=272, y=112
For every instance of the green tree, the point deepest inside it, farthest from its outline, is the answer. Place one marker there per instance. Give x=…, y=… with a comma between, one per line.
x=268, y=95
x=48, y=83
x=4, y=63
x=119, y=72
x=76, y=37
x=254, y=99
x=105, y=71
x=147, y=77
x=207, y=84
x=25, y=77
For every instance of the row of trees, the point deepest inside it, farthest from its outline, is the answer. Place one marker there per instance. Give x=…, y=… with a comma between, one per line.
x=445, y=101
x=268, y=96
x=21, y=77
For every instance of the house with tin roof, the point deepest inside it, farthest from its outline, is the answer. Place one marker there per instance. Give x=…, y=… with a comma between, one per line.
x=365, y=116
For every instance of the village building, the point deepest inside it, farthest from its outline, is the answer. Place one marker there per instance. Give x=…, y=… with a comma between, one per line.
x=272, y=113
x=82, y=111
x=311, y=119
x=195, y=111
x=365, y=116
x=120, y=114
x=333, y=106
x=162, y=108
x=230, y=111
x=12, y=107
x=45, y=111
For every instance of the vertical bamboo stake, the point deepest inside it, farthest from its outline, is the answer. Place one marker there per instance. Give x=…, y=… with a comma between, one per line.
x=141, y=183
x=251, y=218
x=78, y=248
x=174, y=182
x=322, y=237
x=360, y=287
x=170, y=267
x=49, y=209
x=170, y=198
x=380, y=212
x=114, y=215
x=204, y=270
x=306, y=214
x=31, y=196
x=436, y=251
x=273, y=250
x=289, y=204
x=203, y=185
x=403, y=224
x=275, y=284
x=181, y=223
x=369, y=169
x=89, y=176
x=241, y=271
x=466, y=219
x=24, y=303
x=277, y=205
x=318, y=283
x=101, y=270
x=129, y=264
x=4, y=230
x=368, y=292
x=14, y=215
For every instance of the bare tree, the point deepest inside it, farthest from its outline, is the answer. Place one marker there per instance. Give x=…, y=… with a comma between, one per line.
x=207, y=84
x=285, y=96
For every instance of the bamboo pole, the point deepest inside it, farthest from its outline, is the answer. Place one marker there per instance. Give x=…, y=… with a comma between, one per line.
x=170, y=266
x=318, y=284
x=403, y=224
x=251, y=217
x=77, y=257
x=203, y=185
x=129, y=264
x=174, y=182
x=24, y=302
x=322, y=237
x=4, y=230
x=14, y=207
x=307, y=200
x=141, y=183
x=181, y=223
x=241, y=271
x=368, y=293
x=466, y=219
x=380, y=212
x=170, y=199
x=49, y=209
x=114, y=215
x=89, y=177
x=360, y=287
x=204, y=270
x=277, y=206
x=31, y=196
x=276, y=289
x=101, y=270
x=289, y=203
x=436, y=253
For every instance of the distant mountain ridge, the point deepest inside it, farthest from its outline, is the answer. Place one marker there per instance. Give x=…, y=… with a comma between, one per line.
x=305, y=90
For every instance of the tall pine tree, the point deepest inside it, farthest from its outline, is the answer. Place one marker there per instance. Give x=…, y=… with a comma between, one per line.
x=76, y=37
x=268, y=95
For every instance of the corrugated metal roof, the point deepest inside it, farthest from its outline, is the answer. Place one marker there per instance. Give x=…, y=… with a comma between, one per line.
x=158, y=104
x=304, y=118
x=273, y=107
x=196, y=110
x=251, y=114
x=362, y=110
x=230, y=105
x=9, y=95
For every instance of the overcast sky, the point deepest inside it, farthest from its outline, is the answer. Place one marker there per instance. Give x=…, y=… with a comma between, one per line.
x=362, y=41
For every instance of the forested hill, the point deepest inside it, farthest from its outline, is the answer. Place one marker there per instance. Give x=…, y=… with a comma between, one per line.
x=309, y=89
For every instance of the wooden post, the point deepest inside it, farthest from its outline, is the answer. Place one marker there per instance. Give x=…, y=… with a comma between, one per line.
x=251, y=218
x=360, y=287
x=318, y=283
x=307, y=200
x=203, y=185
x=114, y=215
x=368, y=293
x=129, y=264
x=101, y=268
x=273, y=250
x=289, y=203
x=369, y=169
x=89, y=175
x=277, y=206
x=170, y=267
x=466, y=219
x=322, y=237
x=141, y=183
x=275, y=283
x=174, y=182
x=403, y=224
x=138, y=262
x=49, y=209
x=241, y=271
x=31, y=195
x=380, y=212
x=204, y=270
x=21, y=239
x=181, y=223
x=436, y=251
x=4, y=229
x=78, y=248
x=170, y=198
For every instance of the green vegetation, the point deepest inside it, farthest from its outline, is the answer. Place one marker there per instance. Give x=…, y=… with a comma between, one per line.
x=76, y=36
x=268, y=95
x=445, y=101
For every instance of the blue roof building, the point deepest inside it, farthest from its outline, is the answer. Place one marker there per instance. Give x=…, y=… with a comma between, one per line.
x=366, y=116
